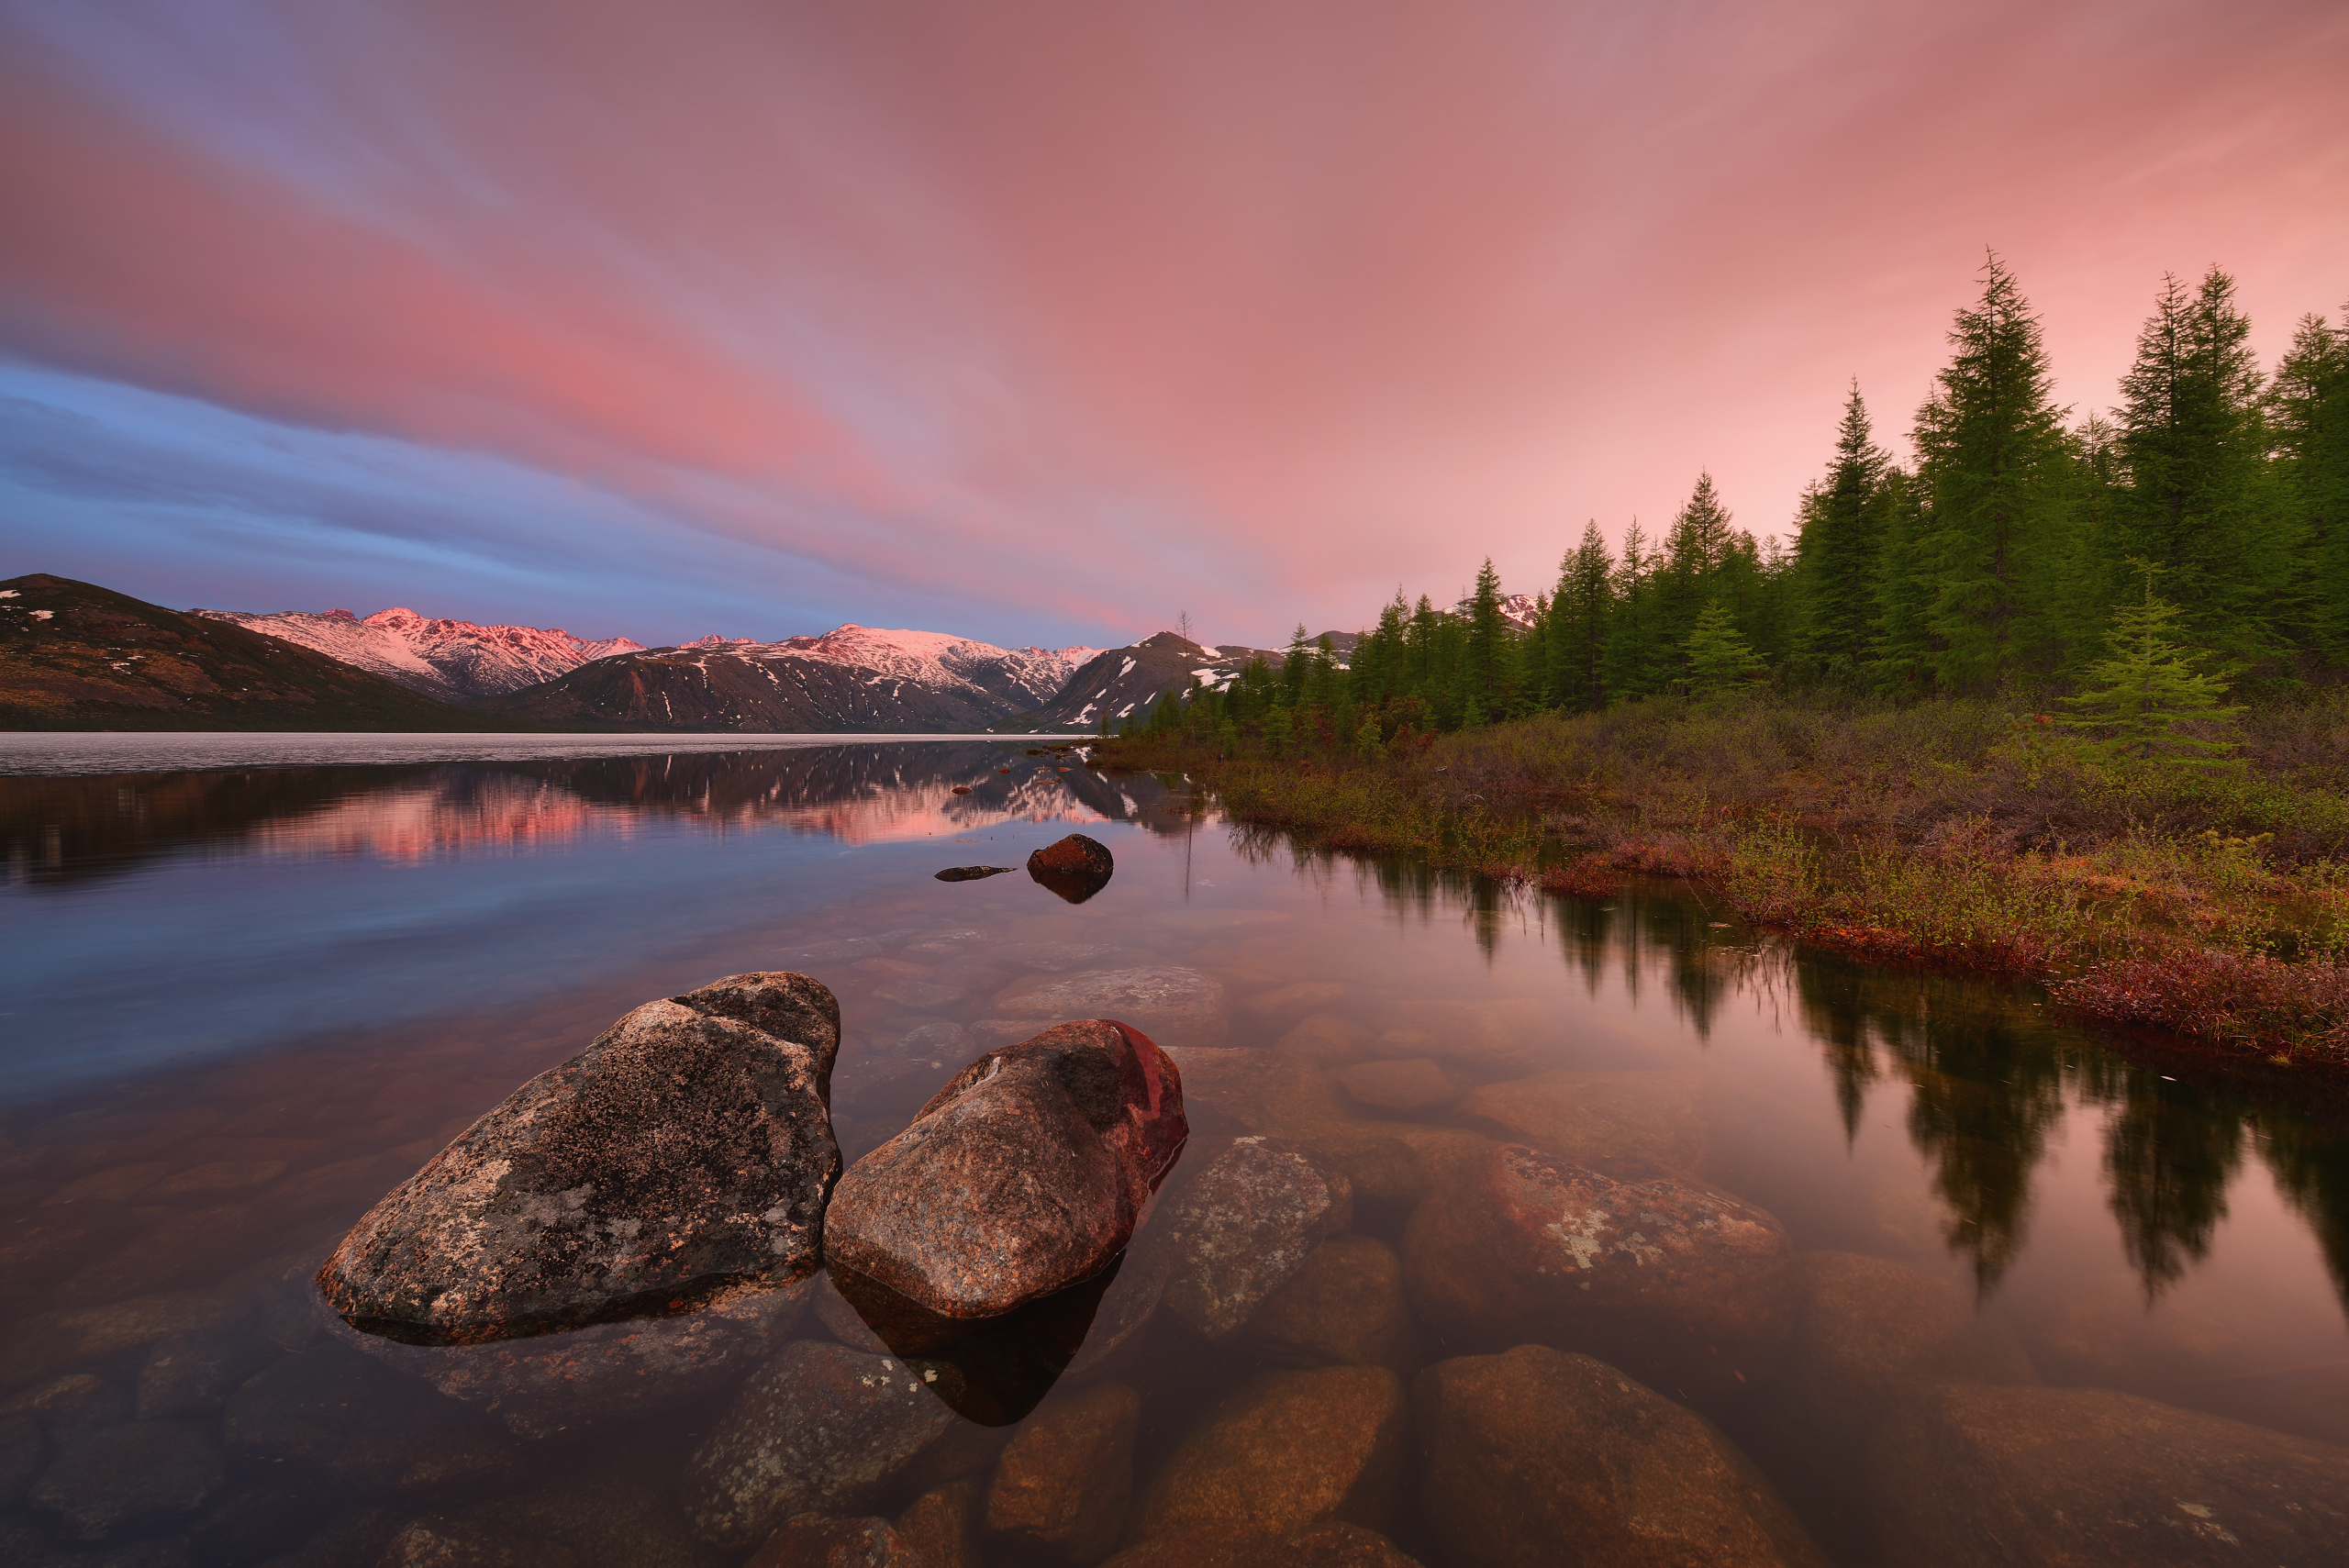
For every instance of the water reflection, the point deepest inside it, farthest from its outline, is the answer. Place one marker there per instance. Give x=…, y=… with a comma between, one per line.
x=376, y=955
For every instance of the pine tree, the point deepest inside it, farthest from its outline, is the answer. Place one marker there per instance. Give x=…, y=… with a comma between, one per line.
x=2192, y=449
x=1637, y=660
x=1577, y=634
x=1989, y=447
x=2146, y=685
x=2308, y=413
x=1837, y=547
x=1903, y=660
x=1719, y=656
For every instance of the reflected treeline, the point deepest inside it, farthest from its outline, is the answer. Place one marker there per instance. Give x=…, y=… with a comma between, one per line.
x=1988, y=1075
x=59, y=831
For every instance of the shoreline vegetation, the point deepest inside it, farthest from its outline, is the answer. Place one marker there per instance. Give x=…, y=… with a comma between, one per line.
x=2060, y=696
x=2211, y=905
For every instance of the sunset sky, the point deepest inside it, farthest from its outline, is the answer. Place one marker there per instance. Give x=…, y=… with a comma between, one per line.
x=1040, y=322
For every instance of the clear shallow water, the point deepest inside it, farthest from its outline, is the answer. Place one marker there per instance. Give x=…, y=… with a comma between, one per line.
x=242, y=1004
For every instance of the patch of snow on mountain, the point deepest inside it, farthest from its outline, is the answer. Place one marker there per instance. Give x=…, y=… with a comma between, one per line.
x=450, y=659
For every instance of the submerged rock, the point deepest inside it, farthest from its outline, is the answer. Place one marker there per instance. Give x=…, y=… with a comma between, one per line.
x=821, y=1428
x=1344, y=1307
x=608, y=1371
x=1968, y=1475
x=683, y=1156
x=443, y=1544
x=1245, y=1225
x=1283, y=1452
x=1592, y=1118
x=355, y=1425
x=111, y=1481
x=1075, y=868
x=821, y=1541
x=1682, y=1288
x=1175, y=1004
x=973, y=874
x=1026, y=1175
x=1415, y=1084
x=941, y=1525
x=1062, y=1486
x=1539, y=1456
x=1330, y=1545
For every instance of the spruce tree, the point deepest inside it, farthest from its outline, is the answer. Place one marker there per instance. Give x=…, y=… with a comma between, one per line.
x=1636, y=661
x=1989, y=445
x=2192, y=449
x=2146, y=685
x=2309, y=413
x=1719, y=656
x=1482, y=654
x=1836, y=550
x=1902, y=664
x=1577, y=634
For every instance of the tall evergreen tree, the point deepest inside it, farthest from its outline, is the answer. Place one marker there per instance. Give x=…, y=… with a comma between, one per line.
x=1637, y=660
x=2308, y=412
x=1989, y=452
x=1578, y=628
x=1842, y=520
x=1719, y=656
x=1484, y=654
x=1902, y=664
x=2192, y=448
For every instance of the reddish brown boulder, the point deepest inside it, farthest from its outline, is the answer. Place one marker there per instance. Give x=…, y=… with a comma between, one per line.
x=820, y=1429
x=941, y=1524
x=1027, y=1174
x=1060, y=1488
x=1332, y=1544
x=1684, y=1287
x=1969, y=1475
x=1344, y=1307
x=1538, y=1457
x=1245, y=1225
x=1285, y=1452
x=1075, y=868
x=682, y=1157
x=820, y=1541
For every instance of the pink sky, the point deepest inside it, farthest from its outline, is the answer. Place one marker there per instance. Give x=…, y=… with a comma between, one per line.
x=1041, y=322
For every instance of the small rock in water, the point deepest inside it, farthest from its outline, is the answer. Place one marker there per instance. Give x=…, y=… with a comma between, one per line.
x=1416, y=1083
x=1026, y=1175
x=1283, y=1452
x=355, y=1425
x=111, y=1481
x=1967, y=1477
x=74, y=1403
x=822, y=1540
x=1344, y=1307
x=1245, y=1225
x=195, y=1376
x=1682, y=1288
x=962, y=789
x=1062, y=1486
x=439, y=1544
x=1075, y=868
x=1329, y=1545
x=606, y=1373
x=941, y=1525
x=821, y=1428
x=683, y=1156
x=1593, y=1118
x=1539, y=1456
x=1175, y=1004
x=973, y=874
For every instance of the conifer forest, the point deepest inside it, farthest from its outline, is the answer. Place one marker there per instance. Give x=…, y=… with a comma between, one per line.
x=2061, y=694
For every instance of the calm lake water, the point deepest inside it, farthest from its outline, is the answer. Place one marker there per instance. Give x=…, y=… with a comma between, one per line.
x=242, y=1001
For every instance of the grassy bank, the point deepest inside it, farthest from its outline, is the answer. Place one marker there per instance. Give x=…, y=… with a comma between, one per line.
x=2212, y=903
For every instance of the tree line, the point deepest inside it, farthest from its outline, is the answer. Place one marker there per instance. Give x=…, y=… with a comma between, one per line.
x=1998, y=558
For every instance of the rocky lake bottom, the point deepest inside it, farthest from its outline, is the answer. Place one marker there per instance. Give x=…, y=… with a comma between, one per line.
x=1887, y=1267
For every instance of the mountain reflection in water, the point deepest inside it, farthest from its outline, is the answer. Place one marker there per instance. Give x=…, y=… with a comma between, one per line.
x=241, y=1005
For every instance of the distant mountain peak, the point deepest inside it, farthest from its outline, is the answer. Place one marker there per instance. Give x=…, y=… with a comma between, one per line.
x=451, y=660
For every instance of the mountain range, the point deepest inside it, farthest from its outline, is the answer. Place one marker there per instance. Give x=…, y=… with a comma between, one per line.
x=84, y=657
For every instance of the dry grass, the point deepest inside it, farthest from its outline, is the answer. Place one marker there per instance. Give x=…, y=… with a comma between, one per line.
x=2212, y=903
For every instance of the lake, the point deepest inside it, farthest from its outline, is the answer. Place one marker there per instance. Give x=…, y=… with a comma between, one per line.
x=250, y=990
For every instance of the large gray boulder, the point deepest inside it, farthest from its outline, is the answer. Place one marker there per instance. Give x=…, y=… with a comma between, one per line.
x=1027, y=1174
x=682, y=1157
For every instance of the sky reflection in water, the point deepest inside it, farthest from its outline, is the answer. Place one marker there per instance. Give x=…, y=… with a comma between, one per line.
x=338, y=967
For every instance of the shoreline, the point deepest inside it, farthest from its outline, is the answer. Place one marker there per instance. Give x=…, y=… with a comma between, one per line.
x=2205, y=914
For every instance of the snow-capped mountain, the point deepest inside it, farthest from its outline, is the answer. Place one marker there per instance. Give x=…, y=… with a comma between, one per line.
x=1520, y=611
x=454, y=660
x=854, y=679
